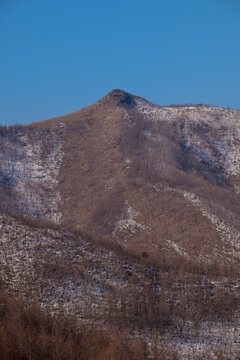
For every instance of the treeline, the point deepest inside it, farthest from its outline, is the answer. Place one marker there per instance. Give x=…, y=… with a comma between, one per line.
x=30, y=333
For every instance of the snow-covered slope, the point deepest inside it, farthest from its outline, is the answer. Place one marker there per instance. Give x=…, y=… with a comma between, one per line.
x=30, y=160
x=211, y=134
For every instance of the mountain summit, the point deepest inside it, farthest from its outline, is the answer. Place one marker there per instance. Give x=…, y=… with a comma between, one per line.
x=119, y=97
x=161, y=180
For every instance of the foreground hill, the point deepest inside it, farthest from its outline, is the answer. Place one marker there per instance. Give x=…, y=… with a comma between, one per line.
x=96, y=287
x=162, y=181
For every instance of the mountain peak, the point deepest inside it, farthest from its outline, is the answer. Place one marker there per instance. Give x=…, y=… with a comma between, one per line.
x=119, y=97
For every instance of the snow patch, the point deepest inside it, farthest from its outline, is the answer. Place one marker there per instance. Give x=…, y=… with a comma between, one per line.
x=128, y=222
x=177, y=248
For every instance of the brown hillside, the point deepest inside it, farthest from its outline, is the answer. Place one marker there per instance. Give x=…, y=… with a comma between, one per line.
x=159, y=180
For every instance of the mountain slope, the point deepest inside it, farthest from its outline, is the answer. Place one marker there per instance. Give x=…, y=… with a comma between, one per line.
x=159, y=180
x=177, y=312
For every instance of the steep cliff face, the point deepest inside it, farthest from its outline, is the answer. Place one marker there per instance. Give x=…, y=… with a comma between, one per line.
x=159, y=180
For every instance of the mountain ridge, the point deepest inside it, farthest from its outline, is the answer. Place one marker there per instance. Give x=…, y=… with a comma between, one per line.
x=110, y=97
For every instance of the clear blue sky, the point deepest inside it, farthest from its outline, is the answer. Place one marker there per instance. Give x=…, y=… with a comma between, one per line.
x=59, y=56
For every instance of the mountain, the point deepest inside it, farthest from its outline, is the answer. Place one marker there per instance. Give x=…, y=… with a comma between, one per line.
x=122, y=217
x=161, y=181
